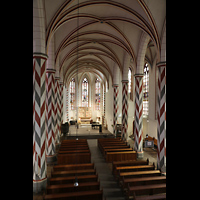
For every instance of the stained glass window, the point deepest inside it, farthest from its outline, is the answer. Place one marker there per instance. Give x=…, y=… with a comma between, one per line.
x=146, y=90
x=97, y=94
x=130, y=84
x=72, y=94
x=85, y=93
x=129, y=80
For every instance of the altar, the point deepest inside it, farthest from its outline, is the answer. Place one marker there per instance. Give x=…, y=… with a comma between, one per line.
x=85, y=115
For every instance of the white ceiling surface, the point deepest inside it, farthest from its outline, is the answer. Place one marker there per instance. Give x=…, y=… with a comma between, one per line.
x=107, y=39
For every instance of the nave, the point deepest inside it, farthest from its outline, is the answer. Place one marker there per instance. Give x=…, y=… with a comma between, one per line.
x=99, y=61
x=108, y=182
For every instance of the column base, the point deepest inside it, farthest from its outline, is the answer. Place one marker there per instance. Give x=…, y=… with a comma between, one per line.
x=51, y=158
x=39, y=185
x=140, y=155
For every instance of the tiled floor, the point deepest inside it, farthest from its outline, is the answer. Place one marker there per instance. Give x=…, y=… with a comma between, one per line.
x=104, y=170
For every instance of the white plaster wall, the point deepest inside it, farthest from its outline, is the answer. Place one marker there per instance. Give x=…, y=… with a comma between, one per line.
x=152, y=121
x=109, y=107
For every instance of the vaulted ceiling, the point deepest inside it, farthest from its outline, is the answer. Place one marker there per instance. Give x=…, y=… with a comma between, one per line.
x=97, y=36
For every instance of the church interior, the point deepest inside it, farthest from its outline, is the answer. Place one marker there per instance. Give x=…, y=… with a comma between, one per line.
x=99, y=99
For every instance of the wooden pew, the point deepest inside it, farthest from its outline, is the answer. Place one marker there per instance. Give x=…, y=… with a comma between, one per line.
x=143, y=181
x=70, y=179
x=110, y=144
x=74, y=158
x=117, y=149
x=139, y=174
x=135, y=168
x=146, y=189
x=74, y=151
x=73, y=166
x=73, y=172
x=115, y=145
x=84, y=195
x=74, y=161
x=151, y=197
x=128, y=163
x=72, y=148
x=120, y=156
x=52, y=189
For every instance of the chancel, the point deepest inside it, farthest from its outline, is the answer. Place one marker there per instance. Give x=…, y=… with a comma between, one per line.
x=99, y=99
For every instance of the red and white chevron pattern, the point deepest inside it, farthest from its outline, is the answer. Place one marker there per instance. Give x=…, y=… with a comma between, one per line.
x=161, y=115
x=67, y=104
x=115, y=108
x=104, y=106
x=39, y=134
x=57, y=108
x=61, y=103
x=124, y=109
x=138, y=146
x=50, y=104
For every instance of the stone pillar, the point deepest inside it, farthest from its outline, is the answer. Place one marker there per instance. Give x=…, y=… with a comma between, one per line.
x=161, y=116
x=67, y=103
x=57, y=109
x=138, y=134
x=124, y=110
x=115, y=108
x=61, y=104
x=50, y=115
x=104, y=105
x=39, y=124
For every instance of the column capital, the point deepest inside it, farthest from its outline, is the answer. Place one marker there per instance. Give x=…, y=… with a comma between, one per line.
x=50, y=71
x=125, y=81
x=138, y=75
x=161, y=64
x=115, y=85
x=40, y=55
x=61, y=83
x=57, y=78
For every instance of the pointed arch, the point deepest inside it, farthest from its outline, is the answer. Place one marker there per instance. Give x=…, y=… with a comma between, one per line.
x=141, y=53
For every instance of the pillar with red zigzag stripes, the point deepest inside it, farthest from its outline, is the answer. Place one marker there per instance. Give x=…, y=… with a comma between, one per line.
x=115, y=108
x=138, y=134
x=57, y=109
x=67, y=103
x=124, y=110
x=61, y=104
x=50, y=114
x=39, y=124
x=161, y=116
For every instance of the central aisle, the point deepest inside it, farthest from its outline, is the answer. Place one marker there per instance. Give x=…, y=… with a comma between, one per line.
x=111, y=189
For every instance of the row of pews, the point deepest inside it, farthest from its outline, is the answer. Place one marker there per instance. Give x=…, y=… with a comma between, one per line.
x=115, y=149
x=74, y=177
x=74, y=151
x=138, y=179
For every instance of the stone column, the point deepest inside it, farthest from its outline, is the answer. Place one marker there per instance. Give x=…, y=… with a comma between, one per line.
x=50, y=114
x=138, y=134
x=61, y=103
x=57, y=109
x=115, y=108
x=67, y=103
x=161, y=116
x=39, y=124
x=124, y=110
